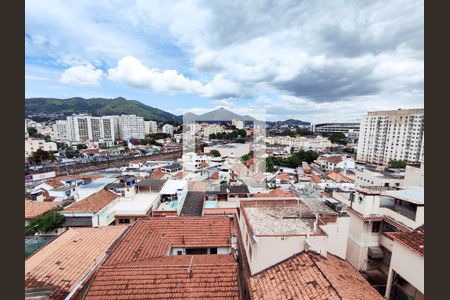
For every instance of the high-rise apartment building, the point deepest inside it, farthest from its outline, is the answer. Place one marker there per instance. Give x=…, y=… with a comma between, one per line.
x=78, y=128
x=81, y=128
x=131, y=127
x=167, y=128
x=238, y=124
x=392, y=135
x=60, y=130
x=151, y=127
x=109, y=128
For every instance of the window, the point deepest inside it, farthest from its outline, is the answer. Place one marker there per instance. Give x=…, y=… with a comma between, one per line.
x=194, y=251
x=388, y=228
x=213, y=251
x=179, y=252
x=124, y=221
x=376, y=227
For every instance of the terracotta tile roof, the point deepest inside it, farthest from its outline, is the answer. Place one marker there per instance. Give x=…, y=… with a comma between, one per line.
x=93, y=203
x=316, y=179
x=140, y=266
x=62, y=263
x=157, y=174
x=154, y=237
x=54, y=183
x=282, y=176
x=275, y=193
x=35, y=209
x=172, y=277
x=197, y=186
x=203, y=165
x=215, y=176
x=238, y=167
x=332, y=159
x=333, y=175
x=414, y=240
x=311, y=276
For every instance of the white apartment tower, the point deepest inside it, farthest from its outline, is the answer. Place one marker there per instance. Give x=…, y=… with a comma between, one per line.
x=131, y=127
x=391, y=135
x=78, y=128
x=167, y=128
x=238, y=124
x=151, y=127
x=60, y=130
x=81, y=128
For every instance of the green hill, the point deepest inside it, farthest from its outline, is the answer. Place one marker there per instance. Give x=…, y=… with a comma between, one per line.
x=97, y=107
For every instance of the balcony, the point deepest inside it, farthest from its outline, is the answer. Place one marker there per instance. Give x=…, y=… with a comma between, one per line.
x=404, y=211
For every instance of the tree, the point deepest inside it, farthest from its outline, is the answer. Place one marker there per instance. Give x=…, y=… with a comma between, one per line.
x=41, y=156
x=304, y=132
x=70, y=153
x=215, y=153
x=270, y=166
x=81, y=146
x=397, y=164
x=45, y=223
x=338, y=138
x=247, y=156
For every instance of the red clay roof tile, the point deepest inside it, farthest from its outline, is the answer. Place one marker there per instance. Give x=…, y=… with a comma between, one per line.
x=93, y=203
x=35, y=209
x=64, y=261
x=311, y=276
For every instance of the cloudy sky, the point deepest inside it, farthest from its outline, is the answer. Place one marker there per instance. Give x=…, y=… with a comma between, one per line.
x=309, y=60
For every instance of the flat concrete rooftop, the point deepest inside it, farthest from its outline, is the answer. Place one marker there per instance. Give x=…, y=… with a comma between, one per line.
x=279, y=220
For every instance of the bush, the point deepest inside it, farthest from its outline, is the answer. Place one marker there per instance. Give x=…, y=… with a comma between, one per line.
x=215, y=153
x=397, y=164
x=45, y=223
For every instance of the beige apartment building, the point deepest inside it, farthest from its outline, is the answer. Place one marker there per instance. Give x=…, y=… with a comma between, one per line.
x=392, y=135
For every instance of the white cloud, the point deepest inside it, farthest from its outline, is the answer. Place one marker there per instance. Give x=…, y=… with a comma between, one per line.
x=84, y=76
x=132, y=72
x=317, y=59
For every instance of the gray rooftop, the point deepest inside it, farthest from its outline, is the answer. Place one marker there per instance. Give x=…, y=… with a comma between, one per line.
x=279, y=220
x=411, y=194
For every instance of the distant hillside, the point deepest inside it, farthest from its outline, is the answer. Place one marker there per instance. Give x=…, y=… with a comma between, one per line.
x=220, y=114
x=290, y=122
x=97, y=107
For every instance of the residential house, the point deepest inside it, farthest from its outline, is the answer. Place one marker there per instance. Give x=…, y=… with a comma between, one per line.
x=408, y=250
x=275, y=230
x=34, y=209
x=309, y=275
x=85, y=213
x=172, y=196
x=375, y=212
x=60, y=268
x=190, y=257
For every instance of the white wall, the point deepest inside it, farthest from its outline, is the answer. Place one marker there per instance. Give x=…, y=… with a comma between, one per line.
x=409, y=265
x=414, y=176
x=337, y=236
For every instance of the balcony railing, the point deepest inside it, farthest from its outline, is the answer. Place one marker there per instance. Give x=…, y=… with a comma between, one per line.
x=410, y=214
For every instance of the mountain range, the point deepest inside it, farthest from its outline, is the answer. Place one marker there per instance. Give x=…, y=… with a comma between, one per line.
x=220, y=114
x=97, y=107
x=118, y=106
